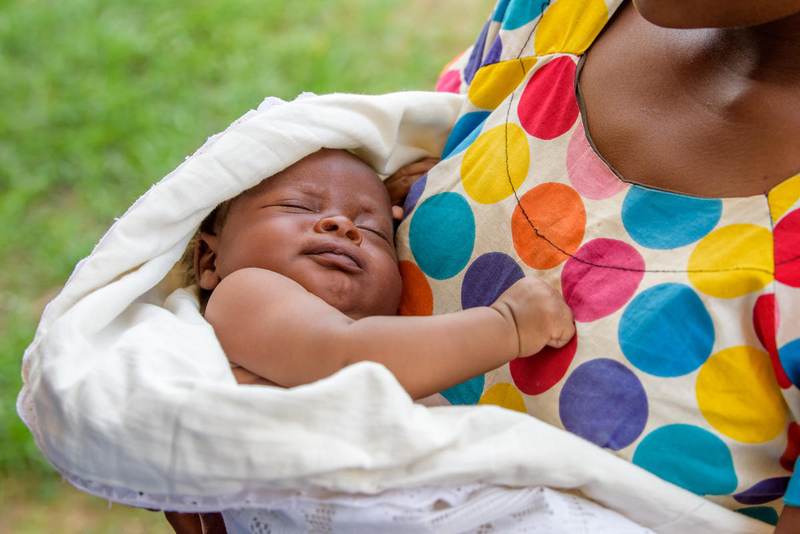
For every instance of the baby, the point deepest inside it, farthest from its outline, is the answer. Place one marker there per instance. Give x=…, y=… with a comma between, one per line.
x=304, y=280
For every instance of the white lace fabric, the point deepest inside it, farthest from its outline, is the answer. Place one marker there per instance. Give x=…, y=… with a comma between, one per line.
x=475, y=509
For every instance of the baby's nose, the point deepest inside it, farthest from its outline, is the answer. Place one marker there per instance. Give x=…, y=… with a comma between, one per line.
x=340, y=225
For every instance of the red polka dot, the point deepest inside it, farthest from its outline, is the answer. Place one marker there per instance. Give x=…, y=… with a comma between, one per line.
x=789, y=456
x=787, y=249
x=538, y=373
x=548, y=107
x=417, y=297
x=449, y=82
x=765, y=322
x=601, y=277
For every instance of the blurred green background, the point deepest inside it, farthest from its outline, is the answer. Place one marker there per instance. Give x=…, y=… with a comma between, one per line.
x=100, y=99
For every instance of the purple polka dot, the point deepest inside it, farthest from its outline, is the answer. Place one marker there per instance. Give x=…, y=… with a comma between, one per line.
x=604, y=402
x=494, y=53
x=414, y=192
x=476, y=57
x=764, y=491
x=487, y=278
x=600, y=278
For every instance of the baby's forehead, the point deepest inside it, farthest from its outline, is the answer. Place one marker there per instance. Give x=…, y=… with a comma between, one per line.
x=324, y=175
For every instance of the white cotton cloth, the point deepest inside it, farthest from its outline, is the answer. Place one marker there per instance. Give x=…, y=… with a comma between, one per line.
x=130, y=396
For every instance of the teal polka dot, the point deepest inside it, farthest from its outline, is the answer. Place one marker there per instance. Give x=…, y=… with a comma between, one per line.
x=468, y=392
x=666, y=331
x=465, y=131
x=442, y=235
x=767, y=514
x=689, y=457
x=517, y=13
x=661, y=220
x=790, y=360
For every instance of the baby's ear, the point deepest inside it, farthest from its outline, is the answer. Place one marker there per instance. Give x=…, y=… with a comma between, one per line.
x=205, y=261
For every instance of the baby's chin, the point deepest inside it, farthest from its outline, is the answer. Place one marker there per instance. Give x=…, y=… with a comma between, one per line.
x=354, y=299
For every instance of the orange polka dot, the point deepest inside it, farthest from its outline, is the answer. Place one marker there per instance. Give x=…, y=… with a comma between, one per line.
x=417, y=297
x=551, y=227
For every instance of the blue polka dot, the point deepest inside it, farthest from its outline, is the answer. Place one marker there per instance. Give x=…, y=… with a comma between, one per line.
x=666, y=331
x=465, y=131
x=487, y=278
x=476, y=57
x=689, y=457
x=500, y=10
x=468, y=392
x=767, y=514
x=517, y=13
x=442, y=235
x=604, y=402
x=661, y=220
x=414, y=194
x=789, y=355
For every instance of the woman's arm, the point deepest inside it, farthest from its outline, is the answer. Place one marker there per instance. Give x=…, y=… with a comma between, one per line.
x=273, y=327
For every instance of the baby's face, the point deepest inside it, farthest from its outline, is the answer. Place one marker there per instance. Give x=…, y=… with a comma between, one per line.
x=326, y=223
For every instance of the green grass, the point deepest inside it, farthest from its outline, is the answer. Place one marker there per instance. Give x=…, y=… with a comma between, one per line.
x=100, y=99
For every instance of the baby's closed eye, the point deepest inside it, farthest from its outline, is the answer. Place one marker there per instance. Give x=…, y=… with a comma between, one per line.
x=380, y=233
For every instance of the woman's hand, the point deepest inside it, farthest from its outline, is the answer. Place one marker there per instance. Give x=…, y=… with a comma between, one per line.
x=208, y=523
x=401, y=181
x=789, y=522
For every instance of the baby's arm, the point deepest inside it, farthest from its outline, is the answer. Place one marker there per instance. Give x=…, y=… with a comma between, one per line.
x=273, y=327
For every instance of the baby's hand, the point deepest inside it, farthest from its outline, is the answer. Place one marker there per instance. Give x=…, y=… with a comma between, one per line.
x=538, y=313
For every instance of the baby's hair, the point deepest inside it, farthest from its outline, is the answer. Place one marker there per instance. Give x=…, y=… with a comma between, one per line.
x=210, y=225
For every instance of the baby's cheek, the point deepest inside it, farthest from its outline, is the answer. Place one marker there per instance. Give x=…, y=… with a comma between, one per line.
x=391, y=290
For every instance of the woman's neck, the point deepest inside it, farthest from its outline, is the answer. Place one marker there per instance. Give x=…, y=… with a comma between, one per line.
x=763, y=54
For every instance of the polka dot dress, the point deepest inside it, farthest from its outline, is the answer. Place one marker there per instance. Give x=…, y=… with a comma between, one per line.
x=687, y=309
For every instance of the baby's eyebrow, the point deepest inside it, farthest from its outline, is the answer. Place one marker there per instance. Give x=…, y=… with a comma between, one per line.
x=308, y=189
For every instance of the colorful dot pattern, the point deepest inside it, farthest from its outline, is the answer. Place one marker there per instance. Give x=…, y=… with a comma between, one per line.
x=687, y=309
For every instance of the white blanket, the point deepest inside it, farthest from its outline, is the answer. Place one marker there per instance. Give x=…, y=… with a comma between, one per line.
x=130, y=396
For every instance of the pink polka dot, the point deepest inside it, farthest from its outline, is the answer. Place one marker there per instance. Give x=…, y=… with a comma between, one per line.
x=600, y=278
x=765, y=321
x=588, y=174
x=449, y=82
x=787, y=249
x=548, y=107
x=538, y=373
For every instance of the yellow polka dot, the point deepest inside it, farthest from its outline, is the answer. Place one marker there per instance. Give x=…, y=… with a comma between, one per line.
x=485, y=173
x=783, y=197
x=570, y=26
x=732, y=261
x=493, y=83
x=738, y=395
x=504, y=395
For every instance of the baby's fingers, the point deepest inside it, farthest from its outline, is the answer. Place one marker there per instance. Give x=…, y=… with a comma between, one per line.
x=562, y=338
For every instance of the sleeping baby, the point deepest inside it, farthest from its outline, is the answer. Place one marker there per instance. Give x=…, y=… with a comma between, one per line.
x=302, y=280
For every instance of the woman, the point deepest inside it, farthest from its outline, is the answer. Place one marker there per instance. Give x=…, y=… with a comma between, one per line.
x=644, y=157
